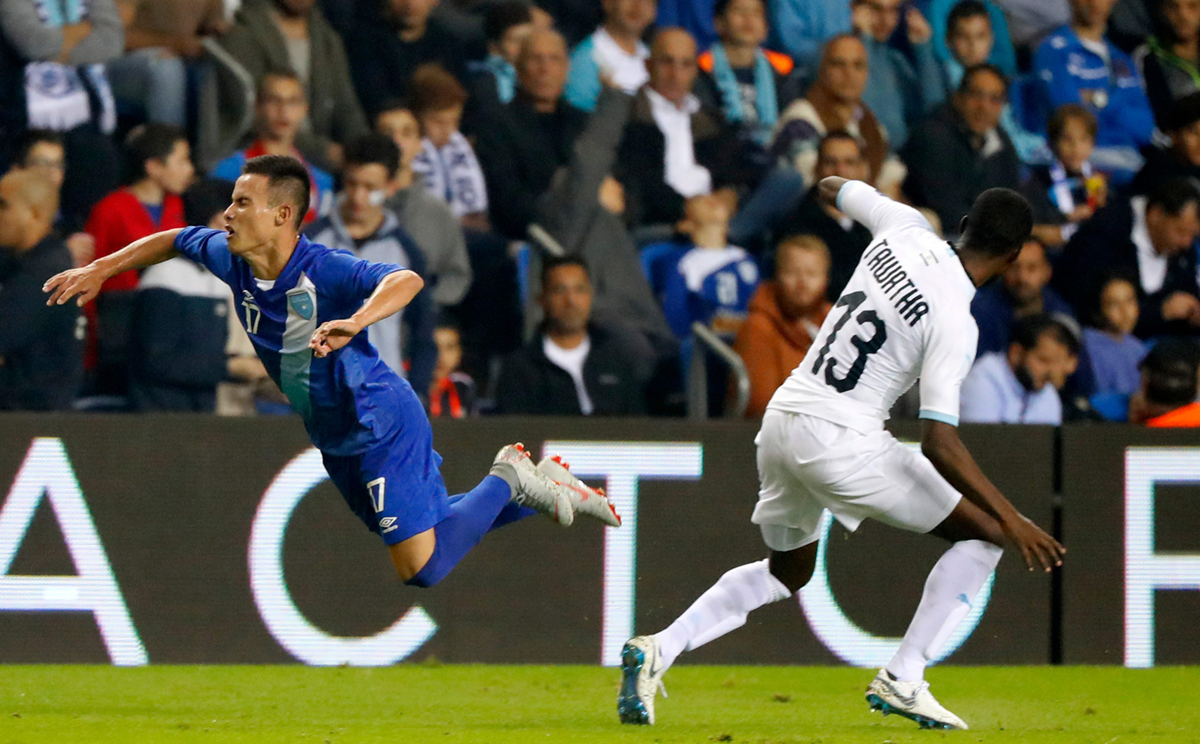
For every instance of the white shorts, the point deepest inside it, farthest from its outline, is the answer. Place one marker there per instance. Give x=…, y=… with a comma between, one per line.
x=808, y=464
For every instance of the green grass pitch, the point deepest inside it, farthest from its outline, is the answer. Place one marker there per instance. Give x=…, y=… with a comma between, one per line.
x=450, y=703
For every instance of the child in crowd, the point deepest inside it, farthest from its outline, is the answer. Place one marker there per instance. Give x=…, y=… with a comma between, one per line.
x=704, y=278
x=452, y=393
x=1114, y=351
x=447, y=161
x=970, y=41
x=1066, y=193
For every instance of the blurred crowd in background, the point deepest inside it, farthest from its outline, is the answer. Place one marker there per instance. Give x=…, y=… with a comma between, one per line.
x=582, y=182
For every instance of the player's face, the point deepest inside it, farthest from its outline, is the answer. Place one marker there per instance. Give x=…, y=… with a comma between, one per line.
x=49, y=159
x=364, y=188
x=971, y=42
x=630, y=16
x=1028, y=275
x=251, y=221
x=1187, y=142
x=542, y=71
x=567, y=299
x=843, y=158
x=440, y=126
x=402, y=127
x=1184, y=17
x=803, y=276
x=1074, y=145
x=844, y=70
x=509, y=46
x=282, y=108
x=174, y=174
x=449, y=348
x=1172, y=234
x=672, y=66
x=744, y=23
x=1118, y=306
x=982, y=101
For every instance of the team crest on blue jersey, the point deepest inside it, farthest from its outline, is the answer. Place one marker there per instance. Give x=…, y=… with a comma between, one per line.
x=303, y=305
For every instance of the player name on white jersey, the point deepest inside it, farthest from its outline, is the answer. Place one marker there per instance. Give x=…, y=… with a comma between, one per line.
x=894, y=281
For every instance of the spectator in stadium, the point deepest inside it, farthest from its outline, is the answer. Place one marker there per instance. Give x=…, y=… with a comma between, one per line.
x=1169, y=386
x=573, y=366
x=1151, y=238
x=41, y=347
x=452, y=394
x=1024, y=291
x=1078, y=64
x=960, y=151
x=702, y=278
x=52, y=77
x=983, y=38
x=834, y=104
x=42, y=152
x=1020, y=385
x=900, y=92
x=280, y=111
x=447, y=162
x=969, y=42
x=1170, y=58
x=425, y=217
x=364, y=227
x=1112, y=349
x=838, y=154
x=293, y=35
x=1066, y=193
x=785, y=314
x=492, y=82
x=749, y=84
x=163, y=39
x=160, y=160
x=1029, y=21
x=613, y=55
x=532, y=136
x=1182, y=157
x=802, y=28
x=388, y=49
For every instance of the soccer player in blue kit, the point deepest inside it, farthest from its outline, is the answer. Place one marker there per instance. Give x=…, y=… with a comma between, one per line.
x=305, y=307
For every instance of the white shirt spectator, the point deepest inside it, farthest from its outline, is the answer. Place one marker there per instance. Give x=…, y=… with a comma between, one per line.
x=571, y=361
x=683, y=173
x=992, y=394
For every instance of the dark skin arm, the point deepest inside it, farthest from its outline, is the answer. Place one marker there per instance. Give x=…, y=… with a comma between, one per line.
x=829, y=187
x=941, y=444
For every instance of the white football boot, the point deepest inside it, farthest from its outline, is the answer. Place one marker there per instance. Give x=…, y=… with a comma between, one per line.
x=913, y=700
x=584, y=498
x=537, y=491
x=641, y=678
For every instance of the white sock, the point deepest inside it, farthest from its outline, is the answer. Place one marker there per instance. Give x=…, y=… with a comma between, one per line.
x=960, y=573
x=721, y=609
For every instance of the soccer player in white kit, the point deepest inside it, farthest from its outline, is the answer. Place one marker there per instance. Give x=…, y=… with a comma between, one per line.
x=904, y=316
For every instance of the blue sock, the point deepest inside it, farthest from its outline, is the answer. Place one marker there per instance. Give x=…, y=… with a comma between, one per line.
x=472, y=515
x=511, y=513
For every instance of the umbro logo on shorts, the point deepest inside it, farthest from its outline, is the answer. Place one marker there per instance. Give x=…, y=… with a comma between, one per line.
x=387, y=521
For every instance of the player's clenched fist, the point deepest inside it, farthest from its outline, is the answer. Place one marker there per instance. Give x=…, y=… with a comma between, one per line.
x=332, y=336
x=83, y=283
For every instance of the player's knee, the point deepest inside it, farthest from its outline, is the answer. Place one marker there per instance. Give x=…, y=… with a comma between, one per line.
x=793, y=569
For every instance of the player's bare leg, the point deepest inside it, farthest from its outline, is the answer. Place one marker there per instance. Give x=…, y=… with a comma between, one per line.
x=410, y=556
x=946, y=600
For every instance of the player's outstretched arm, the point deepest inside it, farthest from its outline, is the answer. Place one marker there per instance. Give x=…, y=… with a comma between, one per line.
x=393, y=293
x=84, y=283
x=829, y=187
x=941, y=444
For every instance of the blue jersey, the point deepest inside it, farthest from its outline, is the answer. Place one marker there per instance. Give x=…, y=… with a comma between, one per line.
x=706, y=285
x=350, y=400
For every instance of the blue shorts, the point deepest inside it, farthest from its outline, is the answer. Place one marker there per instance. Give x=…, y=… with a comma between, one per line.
x=395, y=488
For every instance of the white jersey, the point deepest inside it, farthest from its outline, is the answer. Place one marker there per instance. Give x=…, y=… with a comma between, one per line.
x=904, y=315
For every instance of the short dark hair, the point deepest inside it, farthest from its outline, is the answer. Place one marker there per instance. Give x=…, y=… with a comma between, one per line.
x=720, y=6
x=33, y=137
x=205, y=198
x=1170, y=372
x=1096, y=304
x=1028, y=331
x=964, y=10
x=374, y=149
x=1067, y=112
x=999, y=223
x=287, y=179
x=394, y=104
x=978, y=69
x=557, y=262
x=151, y=141
x=839, y=135
x=1173, y=195
x=502, y=16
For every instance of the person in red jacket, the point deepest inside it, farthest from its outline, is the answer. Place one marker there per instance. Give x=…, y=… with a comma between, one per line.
x=160, y=160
